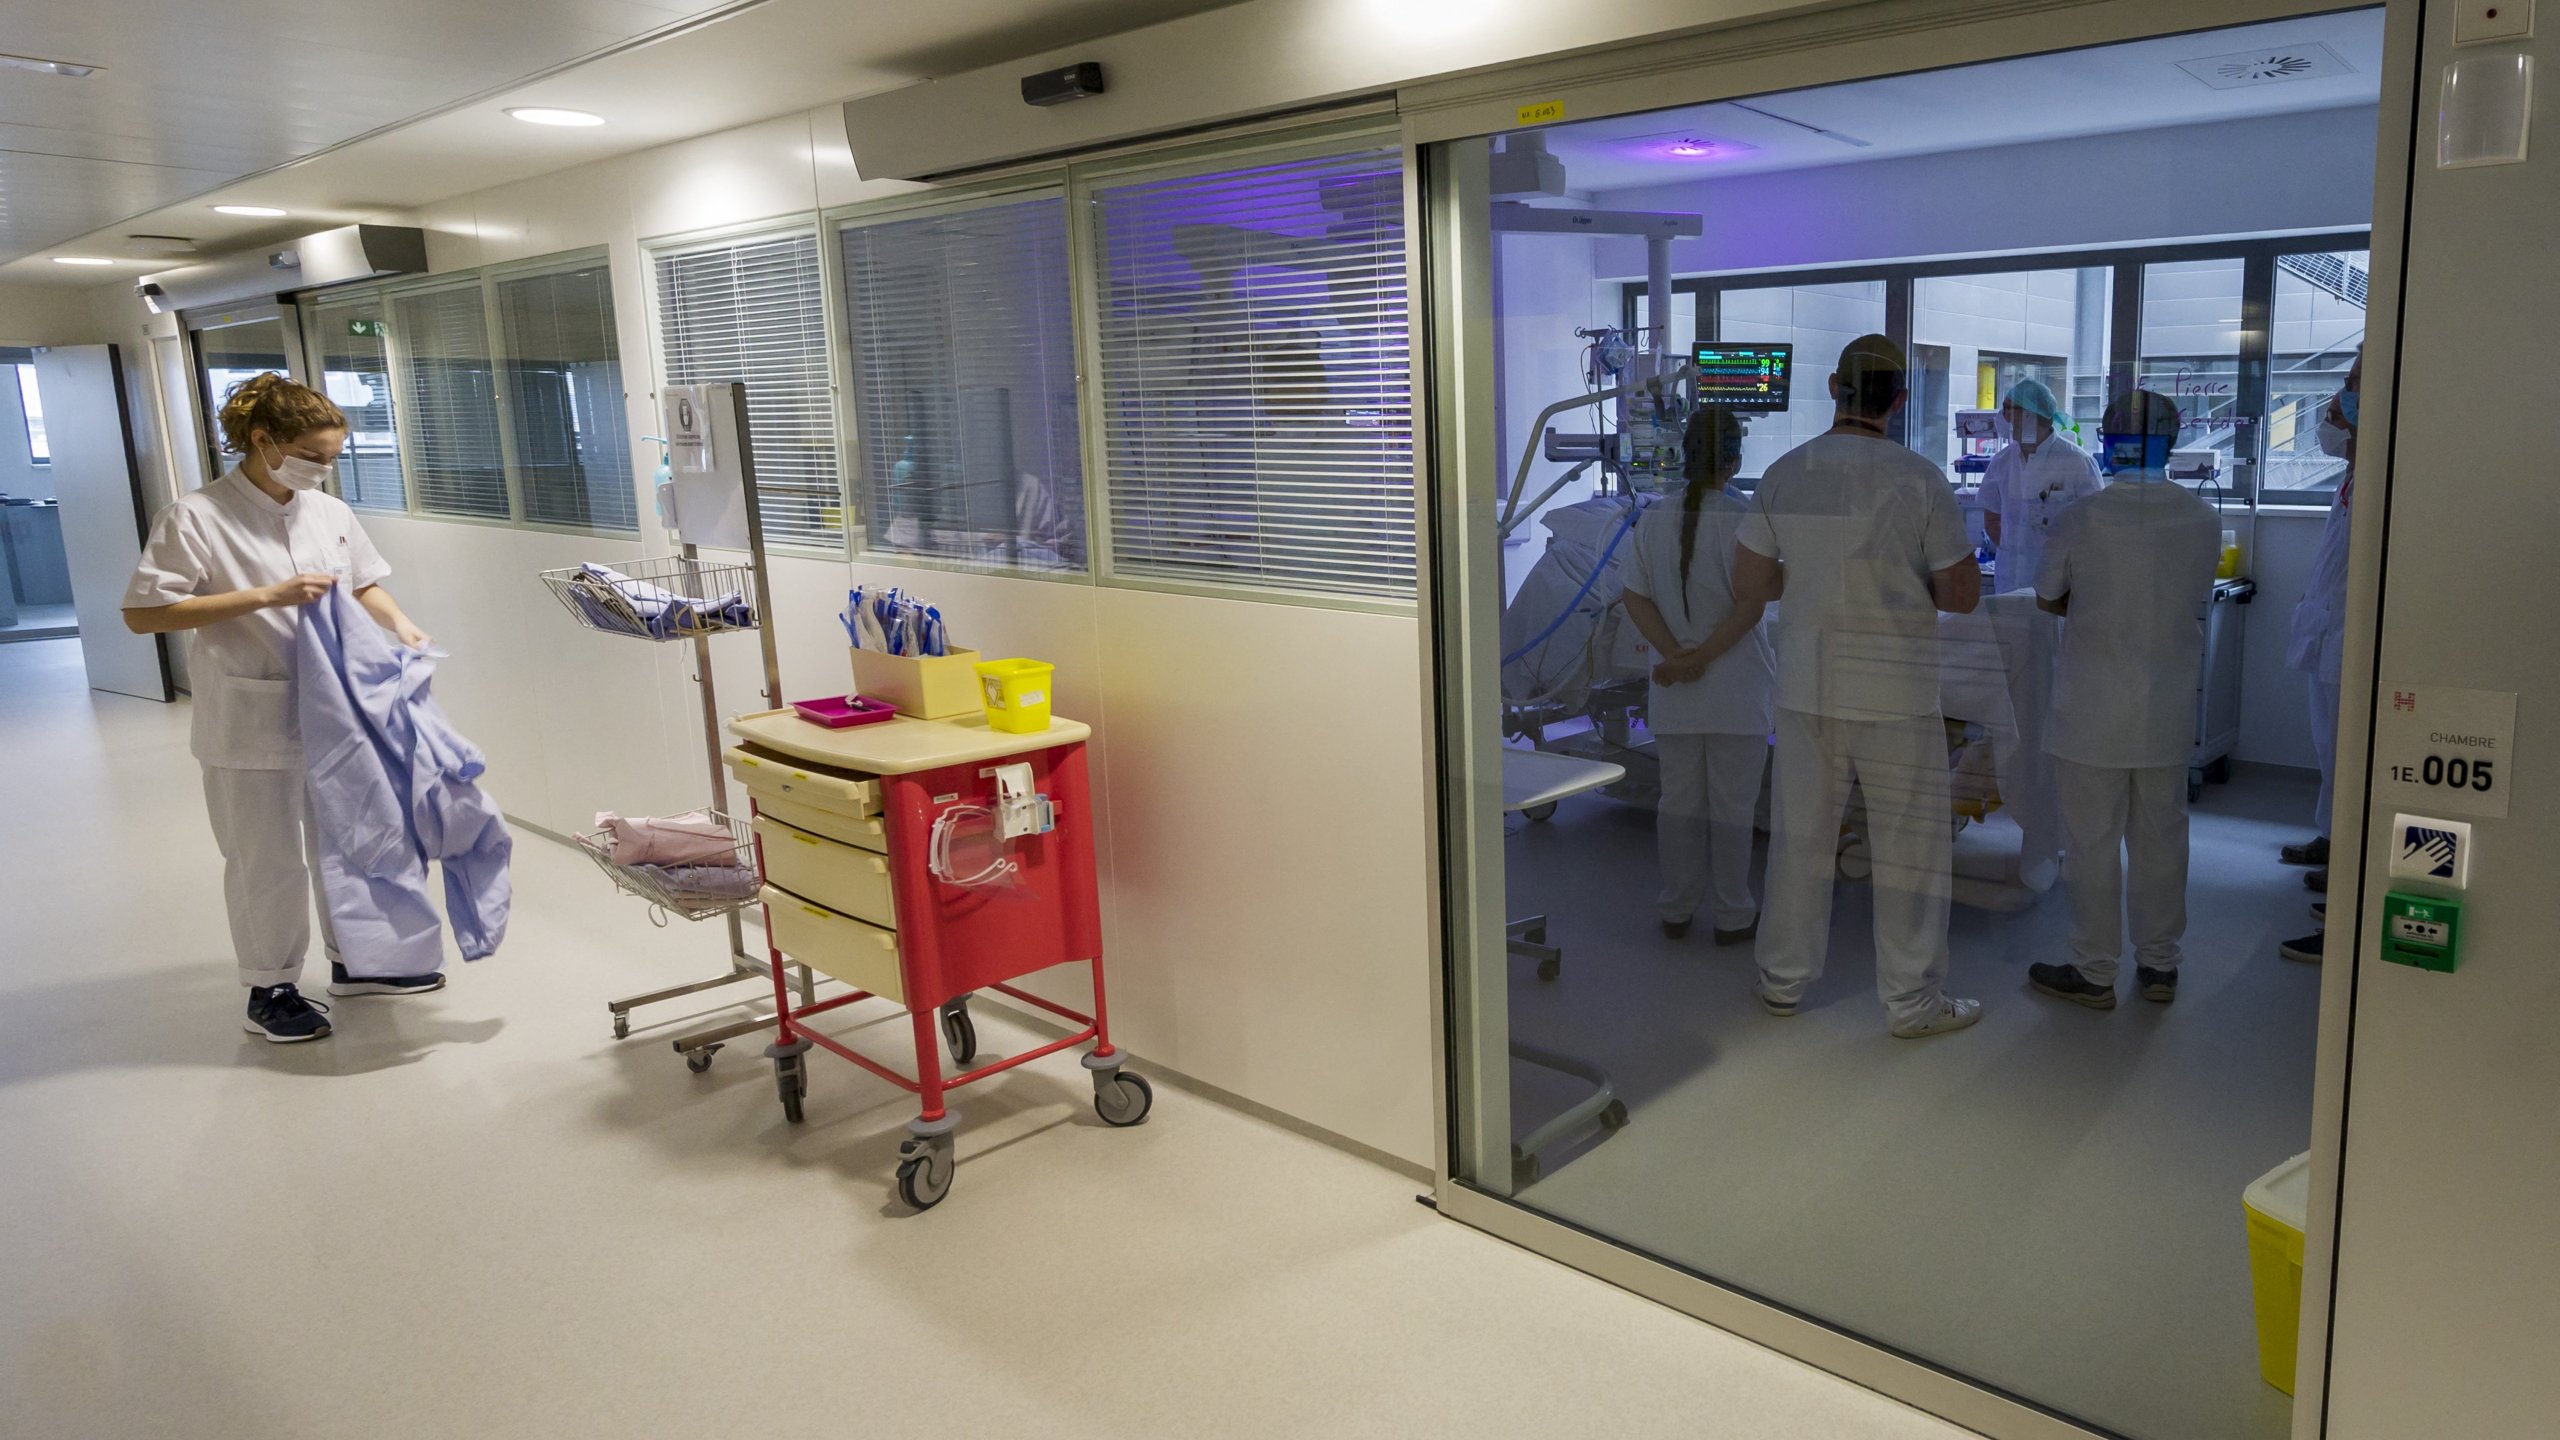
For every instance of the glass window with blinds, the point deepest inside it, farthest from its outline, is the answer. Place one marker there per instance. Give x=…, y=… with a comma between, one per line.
x=348, y=341
x=1257, y=418
x=753, y=311
x=965, y=386
x=448, y=394
x=562, y=379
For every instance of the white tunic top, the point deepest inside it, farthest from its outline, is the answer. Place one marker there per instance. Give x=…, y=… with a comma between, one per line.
x=2137, y=560
x=2027, y=492
x=1733, y=697
x=229, y=536
x=1861, y=525
x=2318, y=644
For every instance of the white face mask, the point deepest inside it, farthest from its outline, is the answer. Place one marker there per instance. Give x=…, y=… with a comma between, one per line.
x=2335, y=439
x=295, y=473
x=2001, y=427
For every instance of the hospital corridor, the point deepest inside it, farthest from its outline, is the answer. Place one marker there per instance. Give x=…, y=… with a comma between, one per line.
x=1278, y=719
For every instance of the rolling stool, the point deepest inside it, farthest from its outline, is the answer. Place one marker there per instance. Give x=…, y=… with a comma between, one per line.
x=1535, y=780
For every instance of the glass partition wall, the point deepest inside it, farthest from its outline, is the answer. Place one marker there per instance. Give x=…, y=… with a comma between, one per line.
x=1868, y=874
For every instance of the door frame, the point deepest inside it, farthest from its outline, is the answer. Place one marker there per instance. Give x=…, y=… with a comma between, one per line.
x=223, y=317
x=1447, y=130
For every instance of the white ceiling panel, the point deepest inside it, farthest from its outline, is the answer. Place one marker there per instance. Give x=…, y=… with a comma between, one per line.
x=196, y=96
x=2136, y=86
x=187, y=96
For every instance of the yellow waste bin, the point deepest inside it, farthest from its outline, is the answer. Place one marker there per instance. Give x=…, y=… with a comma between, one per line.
x=2275, y=1206
x=1017, y=694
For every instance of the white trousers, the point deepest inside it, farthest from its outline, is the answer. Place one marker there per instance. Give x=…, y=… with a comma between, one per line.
x=270, y=874
x=1710, y=791
x=2324, y=743
x=1900, y=767
x=2115, y=821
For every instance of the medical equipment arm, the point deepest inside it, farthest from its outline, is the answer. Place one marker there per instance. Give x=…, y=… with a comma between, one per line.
x=1958, y=588
x=1758, y=579
x=197, y=611
x=386, y=612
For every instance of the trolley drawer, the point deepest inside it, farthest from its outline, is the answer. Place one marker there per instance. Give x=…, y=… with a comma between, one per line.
x=853, y=797
x=862, y=956
x=836, y=875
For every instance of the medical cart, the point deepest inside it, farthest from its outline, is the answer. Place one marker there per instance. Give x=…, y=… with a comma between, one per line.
x=918, y=861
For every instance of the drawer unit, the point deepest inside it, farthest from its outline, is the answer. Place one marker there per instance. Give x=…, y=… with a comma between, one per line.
x=837, y=806
x=839, y=876
x=861, y=955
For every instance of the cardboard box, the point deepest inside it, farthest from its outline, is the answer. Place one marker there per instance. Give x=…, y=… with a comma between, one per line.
x=925, y=687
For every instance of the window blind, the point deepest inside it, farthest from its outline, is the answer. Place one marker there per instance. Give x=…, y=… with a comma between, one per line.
x=965, y=385
x=563, y=385
x=355, y=373
x=752, y=311
x=449, y=397
x=1257, y=420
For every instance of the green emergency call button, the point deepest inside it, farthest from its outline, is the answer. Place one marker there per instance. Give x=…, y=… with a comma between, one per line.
x=2421, y=930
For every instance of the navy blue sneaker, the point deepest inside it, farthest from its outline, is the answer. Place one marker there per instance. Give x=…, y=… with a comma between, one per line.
x=342, y=983
x=281, y=1014
x=2159, y=985
x=2065, y=982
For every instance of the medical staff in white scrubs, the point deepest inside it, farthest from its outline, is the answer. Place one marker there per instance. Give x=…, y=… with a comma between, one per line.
x=2037, y=476
x=2319, y=640
x=232, y=562
x=2127, y=569
x=1859, y=543
x=1708, y=706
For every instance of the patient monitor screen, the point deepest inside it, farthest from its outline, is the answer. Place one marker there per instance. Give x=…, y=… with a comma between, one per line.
x=1744, y=377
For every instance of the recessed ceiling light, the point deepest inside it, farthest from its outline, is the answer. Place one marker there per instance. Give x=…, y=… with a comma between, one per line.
x=68, y=69
x=261, y=212
x=80, y=260
x=541, y=115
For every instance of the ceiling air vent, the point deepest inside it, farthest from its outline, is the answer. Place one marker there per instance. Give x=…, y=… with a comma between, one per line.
x=2267, y=66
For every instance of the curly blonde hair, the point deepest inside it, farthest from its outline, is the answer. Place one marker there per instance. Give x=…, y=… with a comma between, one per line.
x=282, y=408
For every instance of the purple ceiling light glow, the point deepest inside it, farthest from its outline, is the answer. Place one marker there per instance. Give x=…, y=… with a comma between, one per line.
x=1686, y=149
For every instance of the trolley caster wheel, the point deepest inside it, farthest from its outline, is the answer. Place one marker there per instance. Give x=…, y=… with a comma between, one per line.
x=1524, y=1170
x=1615, y=1117
x=1123, y=1099
x=621, y=1027
x=1550, y=969
x=959, y=1033
x=791, y=1080
x=925, y=1177
x=1537, y=813
x=2195, y=791
x=700, y=1060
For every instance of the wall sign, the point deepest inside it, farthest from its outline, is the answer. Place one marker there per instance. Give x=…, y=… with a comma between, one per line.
x=2445, y=749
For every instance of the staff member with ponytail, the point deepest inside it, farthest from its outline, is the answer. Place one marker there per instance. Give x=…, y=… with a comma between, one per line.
x=233, y=562
x=1709, y=703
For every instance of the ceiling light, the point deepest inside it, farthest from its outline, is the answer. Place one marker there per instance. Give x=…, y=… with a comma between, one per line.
x=80, y=260
x=541, y=115
x=260, y=212
x=68, y=69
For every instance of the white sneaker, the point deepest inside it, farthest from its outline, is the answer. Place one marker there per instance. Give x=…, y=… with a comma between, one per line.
x=1951, y=1014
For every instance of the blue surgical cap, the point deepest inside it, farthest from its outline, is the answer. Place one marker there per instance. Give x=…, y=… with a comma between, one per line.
x=2036, y=398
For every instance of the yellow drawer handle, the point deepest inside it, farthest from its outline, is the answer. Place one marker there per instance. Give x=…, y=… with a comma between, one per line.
x=806, y=839
x=814, y=910
x=749, y=761
x=879, y=866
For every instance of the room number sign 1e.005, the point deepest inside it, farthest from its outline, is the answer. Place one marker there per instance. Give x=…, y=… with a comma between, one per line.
x=2446, y=748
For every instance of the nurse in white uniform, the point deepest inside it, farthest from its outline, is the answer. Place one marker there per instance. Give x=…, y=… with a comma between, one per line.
x=1859, y=542
x=2034, y=479
x=232, y=562
x=1708, y=707
x=2127, y=569
x=2319, y=640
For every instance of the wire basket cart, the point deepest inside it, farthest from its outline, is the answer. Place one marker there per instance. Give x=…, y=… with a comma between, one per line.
x=679, y=597
x=652, y=883
x=687, y=598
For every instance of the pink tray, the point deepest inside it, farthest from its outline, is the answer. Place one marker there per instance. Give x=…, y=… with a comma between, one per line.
x=840, y=712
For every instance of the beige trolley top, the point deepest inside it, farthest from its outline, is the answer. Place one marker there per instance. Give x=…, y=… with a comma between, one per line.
x=897, y=747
